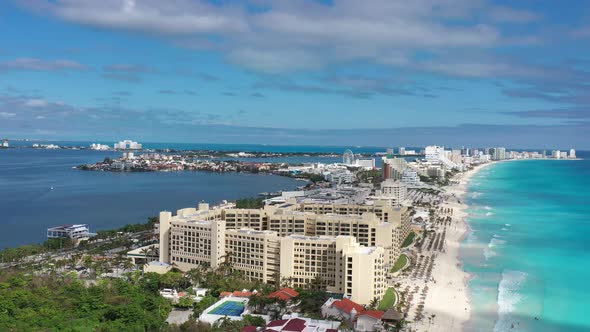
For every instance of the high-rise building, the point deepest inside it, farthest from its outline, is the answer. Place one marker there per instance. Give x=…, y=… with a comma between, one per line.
x=340, y=262
x=261, y=243
x=402, y=151
x=128, y=145
x=4, y=143
x=394, y=190
x=556, y=154
x=410, y=177
x=393, y=168
x=572, y=153
x=433, y=152
x=499, y=153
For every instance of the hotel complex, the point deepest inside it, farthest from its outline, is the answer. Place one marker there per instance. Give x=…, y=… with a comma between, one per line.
x=344, y=237
x=346, y=246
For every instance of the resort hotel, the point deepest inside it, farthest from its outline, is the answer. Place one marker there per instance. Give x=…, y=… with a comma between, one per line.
x=347, y=246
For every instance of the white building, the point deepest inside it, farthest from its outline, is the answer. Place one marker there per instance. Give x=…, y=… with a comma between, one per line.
x=5, y=143
x=434, y=152
x=410, y=177
x=556, y=154
x=100, y=147
x=128, y=145
x=572, y=154
x=402, y=151
x=339, y=176
x=394, y=190
x=78, y=231
x=367, y=163
x=499, y=153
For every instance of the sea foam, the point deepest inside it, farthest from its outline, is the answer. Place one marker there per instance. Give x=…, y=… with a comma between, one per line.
x=488, y=251
x=508, y=298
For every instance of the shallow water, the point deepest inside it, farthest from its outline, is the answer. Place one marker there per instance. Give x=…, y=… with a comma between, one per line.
x=528, y=253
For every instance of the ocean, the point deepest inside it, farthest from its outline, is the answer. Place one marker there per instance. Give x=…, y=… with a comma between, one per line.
x=528, y=252
x=104, y=200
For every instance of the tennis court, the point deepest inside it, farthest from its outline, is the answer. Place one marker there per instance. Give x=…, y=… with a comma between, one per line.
x=228, y=308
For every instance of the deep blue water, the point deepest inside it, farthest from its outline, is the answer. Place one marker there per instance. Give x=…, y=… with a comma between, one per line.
x=102, y=199
x=529, y=252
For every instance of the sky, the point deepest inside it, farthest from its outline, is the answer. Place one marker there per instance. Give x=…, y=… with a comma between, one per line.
x=341, y=72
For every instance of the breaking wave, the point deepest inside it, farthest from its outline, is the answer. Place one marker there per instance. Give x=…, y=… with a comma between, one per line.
x=508, y=298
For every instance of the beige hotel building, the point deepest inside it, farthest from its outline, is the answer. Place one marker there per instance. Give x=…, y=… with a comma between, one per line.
x=350, y=249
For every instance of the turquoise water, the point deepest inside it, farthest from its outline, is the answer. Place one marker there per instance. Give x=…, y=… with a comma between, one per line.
x=529, y=250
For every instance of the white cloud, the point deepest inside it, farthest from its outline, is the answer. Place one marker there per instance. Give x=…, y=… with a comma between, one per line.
x=291, y=35
x=7, y=115
x=36, y=103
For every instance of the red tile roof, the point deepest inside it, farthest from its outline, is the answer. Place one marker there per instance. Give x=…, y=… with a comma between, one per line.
x=377, y=314
x=347, y=305
x=285, y=294
x=249, y=329
x=295, y=325
x=236, y=294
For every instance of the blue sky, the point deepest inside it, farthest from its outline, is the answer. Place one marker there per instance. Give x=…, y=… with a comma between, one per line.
x=383, y=72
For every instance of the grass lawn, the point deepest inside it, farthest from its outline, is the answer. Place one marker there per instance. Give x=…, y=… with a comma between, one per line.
x=409, y=239
x=400, y=263
x=388, y=300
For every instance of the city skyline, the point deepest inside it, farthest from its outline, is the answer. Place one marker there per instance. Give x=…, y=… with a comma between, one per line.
x=297, y=72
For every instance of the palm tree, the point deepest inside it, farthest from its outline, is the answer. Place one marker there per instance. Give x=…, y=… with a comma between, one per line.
x=374, y=303
x=226, y=266
x=145, y=251
x=316, y=284
x=195, y=276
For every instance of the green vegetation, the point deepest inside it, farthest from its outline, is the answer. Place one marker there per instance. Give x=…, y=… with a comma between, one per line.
x=388, y=300
x=314, y=177
x=131, y=228
x=64, y=303
x=311, y=302
x=222, y=325
x=53, y=245
x=185, y=302
x=205, y=303
x=400, y=263
x=409, y=239
x=250, y=203
x=18, y=253
x=309, y=176
x=370, y=176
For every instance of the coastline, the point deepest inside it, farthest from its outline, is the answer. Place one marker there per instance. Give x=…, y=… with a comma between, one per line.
x=448, y=297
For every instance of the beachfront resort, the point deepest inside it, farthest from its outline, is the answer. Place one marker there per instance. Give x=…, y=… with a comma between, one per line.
x=389, y=250
x=366, y=248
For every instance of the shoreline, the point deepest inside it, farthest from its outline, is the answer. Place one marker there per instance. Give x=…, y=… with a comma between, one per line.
x=448, y=297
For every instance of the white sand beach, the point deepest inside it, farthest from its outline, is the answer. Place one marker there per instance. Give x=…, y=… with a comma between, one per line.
x=447, y=298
